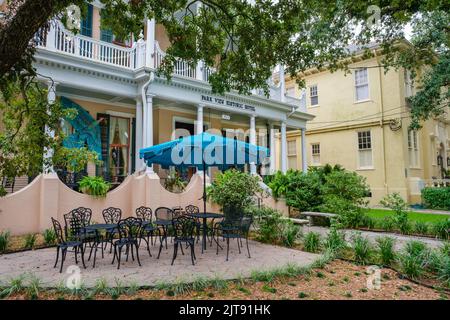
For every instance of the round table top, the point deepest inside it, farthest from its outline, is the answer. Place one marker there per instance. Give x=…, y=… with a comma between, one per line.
x=211, y=215
x=99, y=226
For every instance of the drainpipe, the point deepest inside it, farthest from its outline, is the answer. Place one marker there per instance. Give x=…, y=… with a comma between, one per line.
x=381, y=125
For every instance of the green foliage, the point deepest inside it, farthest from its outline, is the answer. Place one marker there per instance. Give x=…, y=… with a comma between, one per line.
x=421, y=227
x=327, y=189
x=234, y=188
x=16, y=285
x=49, y=237
x=94, y=186
x=414, y=259
x=362, y=248
x=335, y=242
x=30, y=240
x=273, y=227
x=443, y=269
x=174, y=183
x=436, y=198
x=311, y=242
x=441, y=229
x=396, y=203
x=5, y=238
x=25, y=111
x=388, y=223
x=386, y=247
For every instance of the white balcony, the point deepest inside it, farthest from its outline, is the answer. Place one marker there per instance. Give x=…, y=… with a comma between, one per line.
x=57, y=39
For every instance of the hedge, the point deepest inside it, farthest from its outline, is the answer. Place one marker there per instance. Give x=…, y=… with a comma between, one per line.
x=436, y=198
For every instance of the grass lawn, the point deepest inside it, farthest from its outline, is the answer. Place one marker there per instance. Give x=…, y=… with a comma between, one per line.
x=413, y=216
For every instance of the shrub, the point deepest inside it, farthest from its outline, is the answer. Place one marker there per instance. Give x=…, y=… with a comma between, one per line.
x=349, y=214
x=30, y=240
x=304, y=191
x=421, y=227
x=395, y=202
x=366, y=221
x=386, y=247
x=335, y=241
x=362, y=248
x=347, y=185
x=234, y=188
x=311, y=242
x=5, y=238
x=94, y=186
x=443, y=269
x=388, y=223
x=436, y=198
x=440, y=229
x=273, y=227
x=49, y=237
x=414, y=259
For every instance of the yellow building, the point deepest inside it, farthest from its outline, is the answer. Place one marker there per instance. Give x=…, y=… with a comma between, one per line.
x=361, y=122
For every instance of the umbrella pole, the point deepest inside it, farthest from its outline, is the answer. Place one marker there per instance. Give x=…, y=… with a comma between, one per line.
x=204, y=207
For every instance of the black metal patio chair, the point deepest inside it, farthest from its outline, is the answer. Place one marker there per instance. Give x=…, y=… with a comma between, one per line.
x=130, y=230
x=183, y=234
x=163, y=221
x=63, y=245
x=111, y=215
x=191, y=209
x=234, y=228
x=148, y=228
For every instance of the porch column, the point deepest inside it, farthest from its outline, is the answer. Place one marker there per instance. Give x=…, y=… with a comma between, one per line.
x=272, y=148
x=148, y=125
x=304, y=154
x=283, y=148
x=139, y=164
x=48, y=153
x=150, y=43
x=199, y=119
x=252, y=140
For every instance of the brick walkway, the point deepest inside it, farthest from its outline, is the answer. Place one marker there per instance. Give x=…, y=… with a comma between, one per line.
x=40, y=263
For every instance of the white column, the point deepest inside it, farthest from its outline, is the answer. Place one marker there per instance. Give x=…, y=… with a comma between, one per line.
x=148, y=124
x=272, y=148
x=199, y=119
x=150, y=44
x=252, y=140
x=139, y=164
x=199, y=70
x=282, y=84
x=304, y=154
x=283, y=148
x=48, y=153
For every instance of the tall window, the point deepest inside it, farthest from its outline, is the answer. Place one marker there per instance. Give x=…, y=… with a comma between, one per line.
x=365, y=150
x=409, y=84
x=314, y=95
x=315, y=152
x=413, y=148
x=119, y=148
x=292, y=154
x=86, y=22
x=361, y=84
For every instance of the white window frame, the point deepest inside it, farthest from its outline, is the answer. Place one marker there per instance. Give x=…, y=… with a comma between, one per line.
x=413, y=149
x=290, y=154
x=316, y=95
x=409, y=83
x=358, y=85
x=315, y=154
x=359, y=150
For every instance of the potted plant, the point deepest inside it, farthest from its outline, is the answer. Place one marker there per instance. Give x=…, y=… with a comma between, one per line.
x=94, y=186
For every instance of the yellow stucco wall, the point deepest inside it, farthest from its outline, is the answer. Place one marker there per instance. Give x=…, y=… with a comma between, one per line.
x=338, y=118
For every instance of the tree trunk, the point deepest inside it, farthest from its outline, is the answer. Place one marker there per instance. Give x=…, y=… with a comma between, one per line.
x=19, y=29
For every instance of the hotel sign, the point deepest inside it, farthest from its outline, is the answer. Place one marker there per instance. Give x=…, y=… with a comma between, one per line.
x=228, y=103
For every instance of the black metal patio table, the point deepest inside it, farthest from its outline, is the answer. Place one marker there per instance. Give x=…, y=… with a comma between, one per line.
x=205, y=216
x=108, y=227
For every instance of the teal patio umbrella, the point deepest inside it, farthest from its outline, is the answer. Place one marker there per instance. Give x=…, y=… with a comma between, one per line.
x=202, y=151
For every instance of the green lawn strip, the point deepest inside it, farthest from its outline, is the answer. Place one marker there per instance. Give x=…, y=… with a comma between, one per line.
x=379, y=214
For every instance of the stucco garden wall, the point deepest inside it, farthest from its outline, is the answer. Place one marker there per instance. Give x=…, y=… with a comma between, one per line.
x=30, y=209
